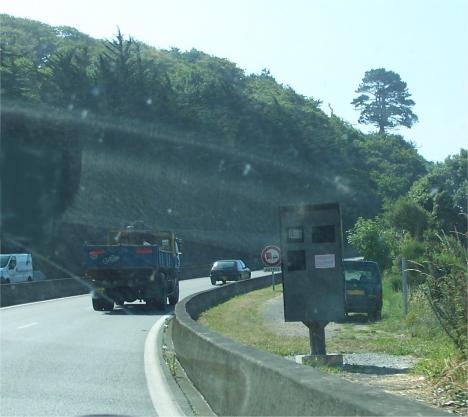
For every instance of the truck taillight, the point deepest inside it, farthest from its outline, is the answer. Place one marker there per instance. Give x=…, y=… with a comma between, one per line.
x=96, y=252
x=144, y=250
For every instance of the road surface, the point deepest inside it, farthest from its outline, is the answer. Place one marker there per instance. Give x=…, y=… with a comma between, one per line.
x=60, y=357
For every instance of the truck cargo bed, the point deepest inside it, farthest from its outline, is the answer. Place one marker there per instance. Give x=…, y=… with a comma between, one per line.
x=119, y=257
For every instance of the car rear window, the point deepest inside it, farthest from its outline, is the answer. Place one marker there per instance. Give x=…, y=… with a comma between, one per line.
x=224, y=265
x=358, y=271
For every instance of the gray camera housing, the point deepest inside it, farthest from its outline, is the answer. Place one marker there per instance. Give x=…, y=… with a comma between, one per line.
x=313, y=278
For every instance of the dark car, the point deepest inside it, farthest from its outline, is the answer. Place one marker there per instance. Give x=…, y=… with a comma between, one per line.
x=363, y=288
x=229, y=270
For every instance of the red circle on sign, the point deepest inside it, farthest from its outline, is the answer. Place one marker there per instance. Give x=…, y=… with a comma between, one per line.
x=271, y=256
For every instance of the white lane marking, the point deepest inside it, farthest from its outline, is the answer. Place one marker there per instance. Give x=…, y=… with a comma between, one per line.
x=43, y=301
x=163, y=401
x=24, y=326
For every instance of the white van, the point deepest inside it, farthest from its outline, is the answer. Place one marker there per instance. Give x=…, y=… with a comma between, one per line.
x=16, y=267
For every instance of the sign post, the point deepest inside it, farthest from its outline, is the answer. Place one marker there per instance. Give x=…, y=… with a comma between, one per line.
x=271, y=258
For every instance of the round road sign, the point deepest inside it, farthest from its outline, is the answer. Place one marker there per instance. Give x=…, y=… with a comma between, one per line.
x=271, y=256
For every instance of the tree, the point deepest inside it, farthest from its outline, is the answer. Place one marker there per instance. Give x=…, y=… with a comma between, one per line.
x=15, y=72
x=408, y=216
x=371, y=238
x=66, y=79
x=442, y=192
x=115, y=72
x=385, y=101
x=385, y=158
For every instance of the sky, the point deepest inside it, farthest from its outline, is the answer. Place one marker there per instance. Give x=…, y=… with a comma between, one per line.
x=321, y=48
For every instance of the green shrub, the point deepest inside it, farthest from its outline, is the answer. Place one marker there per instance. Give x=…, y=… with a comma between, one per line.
x=371, y=238
x=392, y=299
x=421, y=320
x=446, y=287
x=406, y=215
x=415, y=252
x=395, y=282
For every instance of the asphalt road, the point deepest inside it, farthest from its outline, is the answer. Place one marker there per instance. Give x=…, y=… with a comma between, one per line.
x=60, y=357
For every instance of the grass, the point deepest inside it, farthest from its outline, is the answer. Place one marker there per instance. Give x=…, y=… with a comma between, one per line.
x=418, y=334
x=240, y=319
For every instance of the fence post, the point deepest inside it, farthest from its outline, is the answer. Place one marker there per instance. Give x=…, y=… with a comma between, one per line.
x=404, y=277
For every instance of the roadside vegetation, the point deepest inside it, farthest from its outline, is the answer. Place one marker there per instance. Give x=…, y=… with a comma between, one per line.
x=428, y=227
x=419, y=334
x=240, y=318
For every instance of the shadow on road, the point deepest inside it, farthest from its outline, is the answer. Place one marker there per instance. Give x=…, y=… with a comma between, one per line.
x=139, y=309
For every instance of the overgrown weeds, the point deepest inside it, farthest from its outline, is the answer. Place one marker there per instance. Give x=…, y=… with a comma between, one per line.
x=443, y=295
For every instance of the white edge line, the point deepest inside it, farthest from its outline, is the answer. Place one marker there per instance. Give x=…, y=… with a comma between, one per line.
x=163, y=401
x=43, y=301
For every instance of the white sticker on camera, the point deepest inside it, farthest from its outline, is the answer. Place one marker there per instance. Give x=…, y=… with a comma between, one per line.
x=325, y=261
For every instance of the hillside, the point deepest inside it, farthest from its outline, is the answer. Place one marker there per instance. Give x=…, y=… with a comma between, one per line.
x=181, y=140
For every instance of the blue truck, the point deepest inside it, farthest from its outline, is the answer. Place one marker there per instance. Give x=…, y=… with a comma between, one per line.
x=135, y=264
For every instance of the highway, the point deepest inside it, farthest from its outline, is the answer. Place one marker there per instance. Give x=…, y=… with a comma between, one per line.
x=60, y=357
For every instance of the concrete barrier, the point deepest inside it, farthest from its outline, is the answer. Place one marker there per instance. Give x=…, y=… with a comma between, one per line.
x=28, y=292
x=242, y=381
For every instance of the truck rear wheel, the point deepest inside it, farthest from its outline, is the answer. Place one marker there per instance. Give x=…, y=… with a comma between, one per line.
x=97, y=306
x=160, y=301
x=100, y=304
x=108, y=305
x=174, y=297
x=119, y=301
x=158, y=295
x=157, y=302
